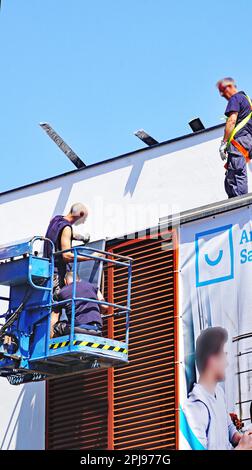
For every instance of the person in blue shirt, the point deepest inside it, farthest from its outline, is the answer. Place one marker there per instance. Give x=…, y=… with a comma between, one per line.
x=88, y=318
x=205, y=408
x=236, y=147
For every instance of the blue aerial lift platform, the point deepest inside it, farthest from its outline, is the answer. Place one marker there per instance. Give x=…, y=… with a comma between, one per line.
x=27, y=353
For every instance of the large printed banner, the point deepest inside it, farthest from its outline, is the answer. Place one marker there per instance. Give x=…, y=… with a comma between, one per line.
x=216, y=330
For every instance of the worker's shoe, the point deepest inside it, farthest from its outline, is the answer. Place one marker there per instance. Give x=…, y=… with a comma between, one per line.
x=89, y=329
x=60, y=328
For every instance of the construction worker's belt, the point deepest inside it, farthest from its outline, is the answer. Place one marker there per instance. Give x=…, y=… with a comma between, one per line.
x=231, y=140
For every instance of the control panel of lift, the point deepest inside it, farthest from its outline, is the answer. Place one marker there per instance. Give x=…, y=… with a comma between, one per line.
x=27, y=353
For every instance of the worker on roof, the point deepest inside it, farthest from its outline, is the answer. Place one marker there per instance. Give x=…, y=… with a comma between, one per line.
x=236, y=145
x=60, y=232
x=88, y=318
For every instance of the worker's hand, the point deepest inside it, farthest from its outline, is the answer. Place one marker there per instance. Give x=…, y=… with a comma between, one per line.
x=223, y=150
x=245, y=442
x=82, y=238
x=7, y=340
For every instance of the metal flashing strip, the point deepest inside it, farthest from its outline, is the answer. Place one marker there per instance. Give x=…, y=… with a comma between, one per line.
x=206, y=211
x=175, y=220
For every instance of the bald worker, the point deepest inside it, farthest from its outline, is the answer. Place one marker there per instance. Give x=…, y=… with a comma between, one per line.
x=60, y=232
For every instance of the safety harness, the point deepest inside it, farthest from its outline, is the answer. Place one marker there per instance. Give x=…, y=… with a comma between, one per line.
x=239, y=126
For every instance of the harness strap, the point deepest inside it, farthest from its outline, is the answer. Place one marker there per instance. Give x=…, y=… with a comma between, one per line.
x=241, y=149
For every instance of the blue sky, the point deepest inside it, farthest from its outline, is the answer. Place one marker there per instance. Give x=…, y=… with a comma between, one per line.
x=99, y=70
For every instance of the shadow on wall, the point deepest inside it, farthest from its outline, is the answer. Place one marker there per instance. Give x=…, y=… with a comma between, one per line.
x=133, y=177
x=25, y=426
x=63, y=197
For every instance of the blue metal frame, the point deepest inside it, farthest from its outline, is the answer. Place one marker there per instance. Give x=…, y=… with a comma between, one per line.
x=51, y=266
x=122, y=308
x=49, y=288
x=37, y=359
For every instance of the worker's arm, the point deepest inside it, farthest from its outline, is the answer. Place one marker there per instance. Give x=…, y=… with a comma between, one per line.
x=103, y=308
x=234, y=423
x=66, y=244
x=230, y=125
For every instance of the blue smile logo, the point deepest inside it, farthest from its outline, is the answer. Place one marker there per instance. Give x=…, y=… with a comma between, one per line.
x=214, y=260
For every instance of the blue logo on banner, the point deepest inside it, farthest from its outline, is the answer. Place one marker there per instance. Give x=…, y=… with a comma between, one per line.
x=214, y=256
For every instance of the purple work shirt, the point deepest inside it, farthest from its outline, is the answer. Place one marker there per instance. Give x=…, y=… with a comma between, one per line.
x=239, y=103
x=54, y=232
x=85, y=312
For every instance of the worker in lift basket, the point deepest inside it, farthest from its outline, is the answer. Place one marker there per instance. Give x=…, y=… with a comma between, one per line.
x=60, y=232
x=236, y=146
x=205, y=408
x=87, y=314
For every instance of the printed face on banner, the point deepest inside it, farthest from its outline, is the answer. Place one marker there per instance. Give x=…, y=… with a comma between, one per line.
x=214, y=256
x=216, y=269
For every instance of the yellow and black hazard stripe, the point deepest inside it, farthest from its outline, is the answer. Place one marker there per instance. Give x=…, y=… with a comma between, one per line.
x=104, y=347
x=59, y=345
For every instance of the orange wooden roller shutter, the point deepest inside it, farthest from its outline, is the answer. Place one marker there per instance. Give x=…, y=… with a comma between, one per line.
x=132, y=407
x=77, y=411
x=142, y=398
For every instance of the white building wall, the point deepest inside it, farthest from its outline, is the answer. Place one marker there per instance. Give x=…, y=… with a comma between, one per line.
x=124, y=195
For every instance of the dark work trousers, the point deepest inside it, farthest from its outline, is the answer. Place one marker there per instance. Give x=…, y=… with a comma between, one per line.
x=236, y=180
